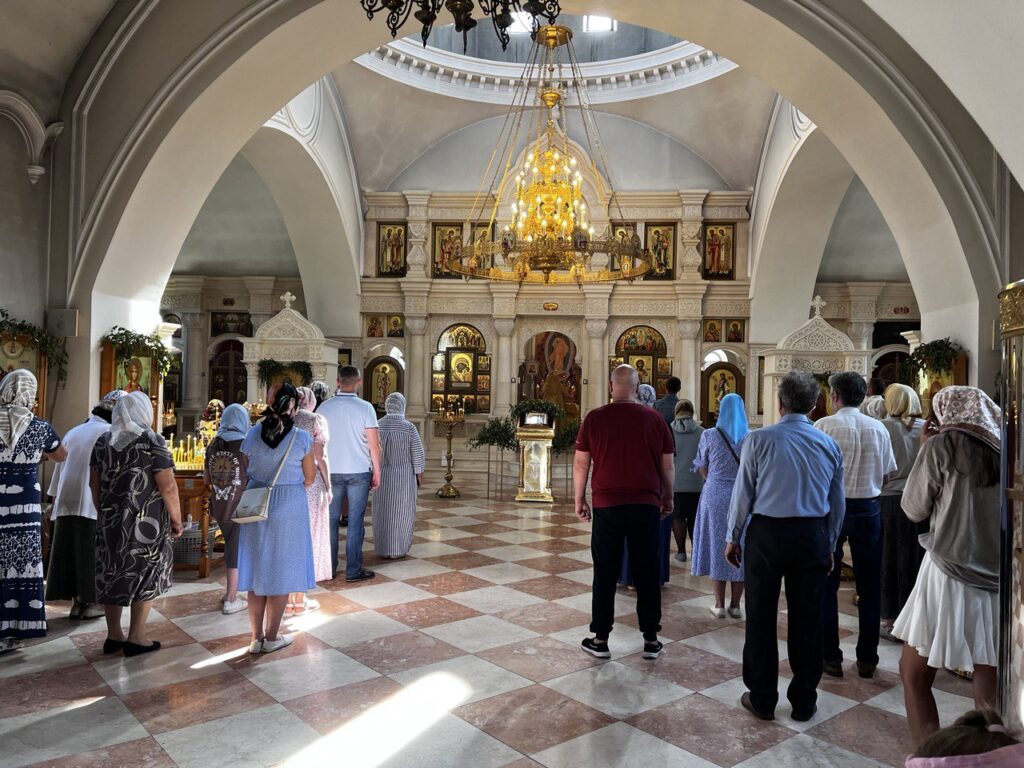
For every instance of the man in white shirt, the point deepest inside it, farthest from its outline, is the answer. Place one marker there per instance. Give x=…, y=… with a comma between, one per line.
x=353, y=453
x=867, y=459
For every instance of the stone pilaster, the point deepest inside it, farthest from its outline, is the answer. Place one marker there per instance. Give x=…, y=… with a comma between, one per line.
x=503, y=367
x=688, y=357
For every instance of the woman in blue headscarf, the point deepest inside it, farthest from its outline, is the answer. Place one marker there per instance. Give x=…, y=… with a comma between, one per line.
x=226, y=478
x=718, y=461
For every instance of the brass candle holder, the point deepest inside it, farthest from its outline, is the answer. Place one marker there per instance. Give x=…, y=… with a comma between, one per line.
x=449, y=418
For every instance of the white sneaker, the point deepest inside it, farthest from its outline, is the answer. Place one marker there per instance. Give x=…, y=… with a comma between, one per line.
x=735, y=613
x=269, y=646
x=718, y=613
x=234, y=606
x=91, y=611
x=256, y=646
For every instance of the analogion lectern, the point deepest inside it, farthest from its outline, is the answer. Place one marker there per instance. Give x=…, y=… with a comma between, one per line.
x=535, y=434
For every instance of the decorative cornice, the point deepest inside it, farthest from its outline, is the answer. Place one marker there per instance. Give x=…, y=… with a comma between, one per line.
x=29, y=123
x=465, y=77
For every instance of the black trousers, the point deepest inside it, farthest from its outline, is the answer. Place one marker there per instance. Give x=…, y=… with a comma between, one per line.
x=636, y=526
x=795, y=549
x=684, y=507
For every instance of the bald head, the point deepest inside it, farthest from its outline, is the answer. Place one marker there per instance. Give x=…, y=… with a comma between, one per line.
x=624, y=383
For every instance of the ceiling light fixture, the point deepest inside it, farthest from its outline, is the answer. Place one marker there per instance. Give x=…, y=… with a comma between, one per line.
x=502, y=13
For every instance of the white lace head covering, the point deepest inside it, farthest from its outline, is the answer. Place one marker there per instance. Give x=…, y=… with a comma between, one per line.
x=646, y=395
x=394, y=405
x=133, y=416
x=17, y=396
x=968, y=409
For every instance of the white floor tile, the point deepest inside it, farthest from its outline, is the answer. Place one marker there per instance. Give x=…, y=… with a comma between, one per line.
x=433, y=549
x=409, y=569
x=479, y=633
x=505, y=573
x=728, y=642
x=520, y=537
x=617, y=690
x=950, y=705
x=803, y=751
x=307, y=673
x=512, y=552
x=455, y=520
x=618, y=745
x=262, y=737
x=625, y=605
x=163, y=667
x=452, y=743
x=829, y=705
x=494, y=599
x=483, y=678
x=213, y=625
x=444, y=534
x=351, y=628
x=79, y=727
x=623, y=641
x=52, y=654
x=388, y=593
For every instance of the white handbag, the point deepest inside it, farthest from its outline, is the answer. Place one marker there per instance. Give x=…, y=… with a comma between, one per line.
x=254, y=506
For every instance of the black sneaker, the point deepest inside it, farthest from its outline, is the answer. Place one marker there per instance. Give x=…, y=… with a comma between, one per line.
x=653, y=650
x=596, y=648
x=363, y=575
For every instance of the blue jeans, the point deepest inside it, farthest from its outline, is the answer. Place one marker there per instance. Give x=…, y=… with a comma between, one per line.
x=863, y=528
x=356, y=488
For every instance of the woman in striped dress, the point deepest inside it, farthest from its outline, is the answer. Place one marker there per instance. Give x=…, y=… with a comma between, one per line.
x=401, y=472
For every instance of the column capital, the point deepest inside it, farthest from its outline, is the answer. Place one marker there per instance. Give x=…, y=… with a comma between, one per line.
x=688, y=329
x=193, y=320
x=504, y=326
x=417, y=325
x=596, y=329
x=860, y=334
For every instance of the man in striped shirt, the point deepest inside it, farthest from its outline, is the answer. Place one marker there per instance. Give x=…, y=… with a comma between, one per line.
x=867, y=459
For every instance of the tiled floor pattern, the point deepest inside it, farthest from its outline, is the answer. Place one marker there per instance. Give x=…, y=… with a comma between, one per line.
x=464, y=654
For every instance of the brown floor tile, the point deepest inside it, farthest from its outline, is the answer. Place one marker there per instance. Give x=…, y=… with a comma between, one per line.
x=950, y=683
x=50, y=688
x=396, y=653
x=168, y=633
x=868, y=731
x=302, y=644
x=190, y=604
x=327, y=710
x=182, y=704
x=680, y=622
x=533, y=719
x=449, y=583
x=524, y=762
x=545, y=618
x=485, y=529
x=852, y=685
x=338, y=583
x=497, y=516
x=474, y=543
x=141, y=753
x=335, y=604
x=687, y=666
x=462, y=561
x=540, y=658
x=428, y=613
x=554, y=564
x=673, y=593
x=557, y=546
x=550, y=587
x=710, y=729
x=559, y=531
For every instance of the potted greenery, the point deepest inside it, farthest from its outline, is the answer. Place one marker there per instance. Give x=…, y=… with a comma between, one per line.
x=498, y=433
x=533, y=405
x=564, y=445
x=936, y=357
x=268, y=370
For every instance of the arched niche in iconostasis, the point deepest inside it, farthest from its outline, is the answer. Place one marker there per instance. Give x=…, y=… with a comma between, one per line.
x=550, y=371
x=722, y=373
x=383, y=374
x=228, y=377
x=644, y=348
x=460, y=370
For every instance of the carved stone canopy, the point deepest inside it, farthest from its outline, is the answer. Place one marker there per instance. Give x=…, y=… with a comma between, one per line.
x=288, y=325
x=816, y=335
x=289, y=337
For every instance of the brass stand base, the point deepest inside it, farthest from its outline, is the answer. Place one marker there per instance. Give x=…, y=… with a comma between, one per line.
x=448, y=491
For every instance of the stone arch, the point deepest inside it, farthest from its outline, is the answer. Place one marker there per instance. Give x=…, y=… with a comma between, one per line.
x=125, y=189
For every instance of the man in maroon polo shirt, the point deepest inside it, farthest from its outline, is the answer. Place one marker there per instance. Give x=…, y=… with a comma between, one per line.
x=632, y=449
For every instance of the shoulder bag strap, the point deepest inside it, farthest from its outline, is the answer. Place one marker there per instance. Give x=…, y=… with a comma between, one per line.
x=285, y=457
x=728, y=444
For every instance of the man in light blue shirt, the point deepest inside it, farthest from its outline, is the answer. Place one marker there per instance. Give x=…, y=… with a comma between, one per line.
x=353, y=452
x=790, y=491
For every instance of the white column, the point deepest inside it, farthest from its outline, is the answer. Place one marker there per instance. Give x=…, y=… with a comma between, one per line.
x=861, y=333
x=195, y=360
x=688, y=359
x=597, y=365
x=503, y=367
x=417, y=368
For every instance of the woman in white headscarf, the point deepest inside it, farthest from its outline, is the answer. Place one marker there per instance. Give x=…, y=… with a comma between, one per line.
x=72, y=571
x=401, y=472
x=24, y=442
x=137, y=500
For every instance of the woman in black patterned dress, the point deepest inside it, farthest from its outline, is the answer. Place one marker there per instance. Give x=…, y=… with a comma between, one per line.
x=138, y=515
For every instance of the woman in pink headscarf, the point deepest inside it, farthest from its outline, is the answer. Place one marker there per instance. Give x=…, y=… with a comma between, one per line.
x=318, y=497
x=949, y=621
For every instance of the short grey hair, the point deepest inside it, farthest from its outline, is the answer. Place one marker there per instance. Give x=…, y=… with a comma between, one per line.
x=798, y=392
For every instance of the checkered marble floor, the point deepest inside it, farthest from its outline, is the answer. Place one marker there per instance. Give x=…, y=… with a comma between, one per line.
x=464, y=654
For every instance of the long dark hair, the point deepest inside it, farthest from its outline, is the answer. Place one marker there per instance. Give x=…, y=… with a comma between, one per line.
x=277, y=418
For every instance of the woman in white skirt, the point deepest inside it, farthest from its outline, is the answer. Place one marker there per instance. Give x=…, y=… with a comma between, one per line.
x=950, y=619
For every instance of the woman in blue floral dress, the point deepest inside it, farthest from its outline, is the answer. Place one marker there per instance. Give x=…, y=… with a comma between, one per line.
x=24, y=441
x=718, y=460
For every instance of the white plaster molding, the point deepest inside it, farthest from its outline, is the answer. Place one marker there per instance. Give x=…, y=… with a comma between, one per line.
x=881, y=352
x=465, y=77
x=36, y=134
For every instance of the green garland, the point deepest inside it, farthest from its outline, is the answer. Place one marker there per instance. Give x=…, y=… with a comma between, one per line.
x=267, y=370
x=499, y=432
x=565, y=438
x=936, y=356
x=128, y=344
x=51, y=346
x=536, y=406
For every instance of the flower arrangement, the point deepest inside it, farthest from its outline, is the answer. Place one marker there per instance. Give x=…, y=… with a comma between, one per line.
x=267, y=370
x=51, y=346
x=128, y=344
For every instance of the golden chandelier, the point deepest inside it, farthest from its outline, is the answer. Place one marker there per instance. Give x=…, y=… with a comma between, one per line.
x=546, y=237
